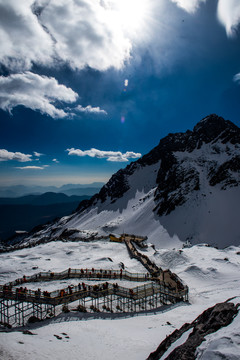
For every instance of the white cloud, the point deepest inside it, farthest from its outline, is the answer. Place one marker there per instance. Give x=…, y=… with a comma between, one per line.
x=229, y=14
x=236, y=77
x=78, y=32
x=31, y=167
x=23, y=39
x=116, y=156
x=228, y=11
x=6, y=155
x=132, y=155
x=37, y=154
x=90, y=109
x=189, y=5
x=35, y=92
x=95, y=33
x=56, y=161
x=86, y=33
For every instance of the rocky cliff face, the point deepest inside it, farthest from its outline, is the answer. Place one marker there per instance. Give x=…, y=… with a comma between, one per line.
x=214, y=143
x=212, y=147
x=210, y=321
x=187, y=187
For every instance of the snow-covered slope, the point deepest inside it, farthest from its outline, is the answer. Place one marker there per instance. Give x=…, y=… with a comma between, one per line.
x=186, y=188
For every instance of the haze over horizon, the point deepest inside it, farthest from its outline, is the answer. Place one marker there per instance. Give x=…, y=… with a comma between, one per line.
x=87, y=86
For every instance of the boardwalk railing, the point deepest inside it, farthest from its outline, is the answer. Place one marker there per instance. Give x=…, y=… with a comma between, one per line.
x=147, y=263
x=80, y=291
x=161, y=287
x=95, y=274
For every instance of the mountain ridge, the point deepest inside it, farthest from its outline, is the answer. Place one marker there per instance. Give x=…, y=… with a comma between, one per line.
x=185, y=188
x=189, y=141
x=68, y=189
x=42, y=199
x=30, y=211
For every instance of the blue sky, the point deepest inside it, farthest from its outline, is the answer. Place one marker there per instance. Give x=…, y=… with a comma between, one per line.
x=88, y=86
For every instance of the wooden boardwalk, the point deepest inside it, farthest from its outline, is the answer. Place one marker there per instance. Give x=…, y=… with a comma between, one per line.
x=163, y=277
x=17, y=303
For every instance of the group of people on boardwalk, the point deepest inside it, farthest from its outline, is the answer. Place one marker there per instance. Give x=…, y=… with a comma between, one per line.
x=7, y=289
x=83, y=288
x=20, y=292
x=99, y=273
x=91, y=289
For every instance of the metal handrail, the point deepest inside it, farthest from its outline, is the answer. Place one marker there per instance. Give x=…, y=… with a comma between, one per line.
x=88, y=291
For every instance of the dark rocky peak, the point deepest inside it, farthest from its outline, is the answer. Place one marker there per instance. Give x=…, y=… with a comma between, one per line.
x=210, y=129
x=214, y=127
x=167, y=145
x=177, y=179
x=171, y=177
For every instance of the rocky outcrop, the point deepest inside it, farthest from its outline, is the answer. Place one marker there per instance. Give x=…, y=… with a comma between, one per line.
x=177, y=178
x=225, y=173
x=114, y=189
x=210, y=321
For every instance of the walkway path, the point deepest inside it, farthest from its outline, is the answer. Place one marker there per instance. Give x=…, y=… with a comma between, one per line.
x=161, y=287
x=163, y=277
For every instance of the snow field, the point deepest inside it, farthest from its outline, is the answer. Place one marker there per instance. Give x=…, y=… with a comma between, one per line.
x=211, y=274
x=59, y=256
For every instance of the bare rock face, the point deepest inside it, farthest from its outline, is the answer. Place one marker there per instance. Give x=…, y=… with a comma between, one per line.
x=210, y=321
x=224, y=173
x=178, y=176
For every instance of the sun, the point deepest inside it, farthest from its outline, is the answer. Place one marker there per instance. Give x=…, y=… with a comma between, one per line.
x=131, y=15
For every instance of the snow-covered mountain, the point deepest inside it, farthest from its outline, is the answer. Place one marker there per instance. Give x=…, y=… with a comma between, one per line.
x=186, y=188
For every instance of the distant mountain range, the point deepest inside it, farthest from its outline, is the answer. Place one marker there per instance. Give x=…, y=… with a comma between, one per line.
x=28, y=211
x=186, y=188
x=43, y=199
x=68, y=189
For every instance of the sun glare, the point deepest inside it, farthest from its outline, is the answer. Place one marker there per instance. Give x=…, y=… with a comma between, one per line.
x=132, y=15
